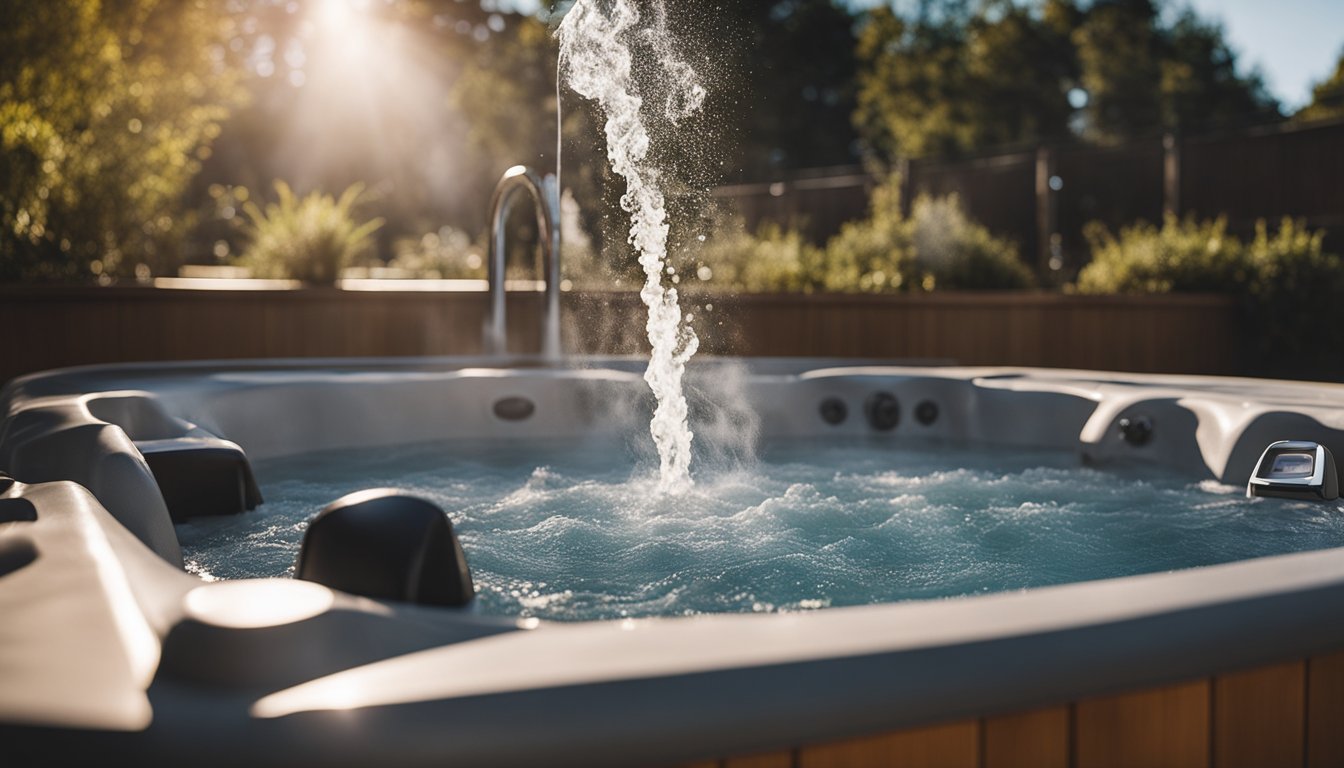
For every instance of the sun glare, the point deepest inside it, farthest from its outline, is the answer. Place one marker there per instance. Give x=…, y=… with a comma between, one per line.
x=341, y=15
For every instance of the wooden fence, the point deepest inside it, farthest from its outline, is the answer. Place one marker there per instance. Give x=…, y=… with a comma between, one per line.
x=1043, y=197
x=51, y=327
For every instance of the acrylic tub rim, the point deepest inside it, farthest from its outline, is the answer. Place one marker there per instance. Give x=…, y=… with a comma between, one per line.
x=739, y=681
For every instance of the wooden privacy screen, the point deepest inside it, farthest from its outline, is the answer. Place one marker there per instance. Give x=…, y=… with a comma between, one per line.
x=53, y=327
x=1289, y=714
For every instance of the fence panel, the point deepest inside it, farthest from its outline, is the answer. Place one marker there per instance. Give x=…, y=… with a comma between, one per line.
x=58, y=327
x=1265, y=173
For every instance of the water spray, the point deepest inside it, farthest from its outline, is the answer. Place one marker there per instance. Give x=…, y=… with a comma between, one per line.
x=598, y=63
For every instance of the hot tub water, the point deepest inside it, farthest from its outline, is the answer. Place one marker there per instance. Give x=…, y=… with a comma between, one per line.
x=570, y=532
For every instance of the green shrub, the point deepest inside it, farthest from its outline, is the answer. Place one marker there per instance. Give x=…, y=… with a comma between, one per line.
x=310, y=239
x=772, y=260
x=936, y=247
x=954, y=253
x=1296, y=311
x=876, y=254
x=1181, y=256
x=1289, y=284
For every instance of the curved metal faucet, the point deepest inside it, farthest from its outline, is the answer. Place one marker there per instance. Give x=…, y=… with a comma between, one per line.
x=546, y=199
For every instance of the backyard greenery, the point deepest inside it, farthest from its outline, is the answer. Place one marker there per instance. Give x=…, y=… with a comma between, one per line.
x=951, y=80
x=309, y=239
x=118, y=119
x=1182, y=255
x=1327, y=97
x=1290, y=284
x=936, y=247
x=106, y=112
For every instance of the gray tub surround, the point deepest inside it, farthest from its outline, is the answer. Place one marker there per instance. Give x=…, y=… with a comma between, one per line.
x=107, y=644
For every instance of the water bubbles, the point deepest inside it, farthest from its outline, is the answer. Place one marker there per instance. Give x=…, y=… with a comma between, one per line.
x=563, y=530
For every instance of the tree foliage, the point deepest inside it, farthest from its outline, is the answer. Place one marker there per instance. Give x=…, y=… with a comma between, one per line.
x=945, y=84
x=781, y=81
x=962, y=81
x=1327, y=97
x=106, y=110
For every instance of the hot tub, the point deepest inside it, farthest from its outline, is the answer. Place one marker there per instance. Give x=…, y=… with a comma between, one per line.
x=108, y=644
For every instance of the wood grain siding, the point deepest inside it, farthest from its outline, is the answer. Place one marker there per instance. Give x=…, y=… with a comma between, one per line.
x=1164, y=727
x=1260, y=717
x=771, y=760
x=50, y=327
x=952, y=745
x=1288, y=714
x=1325, y=711
x=1037, y=739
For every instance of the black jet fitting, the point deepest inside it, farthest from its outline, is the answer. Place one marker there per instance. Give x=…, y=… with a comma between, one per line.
x=1136, y=430
x=883, y=411
x=514, y=408
x=834, y=411
x=926, y=412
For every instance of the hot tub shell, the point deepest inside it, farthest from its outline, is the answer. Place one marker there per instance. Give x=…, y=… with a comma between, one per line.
x=109, y=645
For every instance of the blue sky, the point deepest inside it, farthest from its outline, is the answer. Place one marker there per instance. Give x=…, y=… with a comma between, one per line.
x=1295, y=43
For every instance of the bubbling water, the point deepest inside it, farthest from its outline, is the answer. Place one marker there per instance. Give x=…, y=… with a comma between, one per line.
x=560, y=529
x=598, y=40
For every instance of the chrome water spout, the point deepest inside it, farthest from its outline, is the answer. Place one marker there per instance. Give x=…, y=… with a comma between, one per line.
x=546, y=199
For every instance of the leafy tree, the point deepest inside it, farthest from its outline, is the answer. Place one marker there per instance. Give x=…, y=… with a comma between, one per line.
x=951, y=82
x=912, y=97
x=1327, y=97
x=1119, y=51
x=106, y=110
x=781, y=81
x=1019, y=67
x=961, y=81
x=1143, y=75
